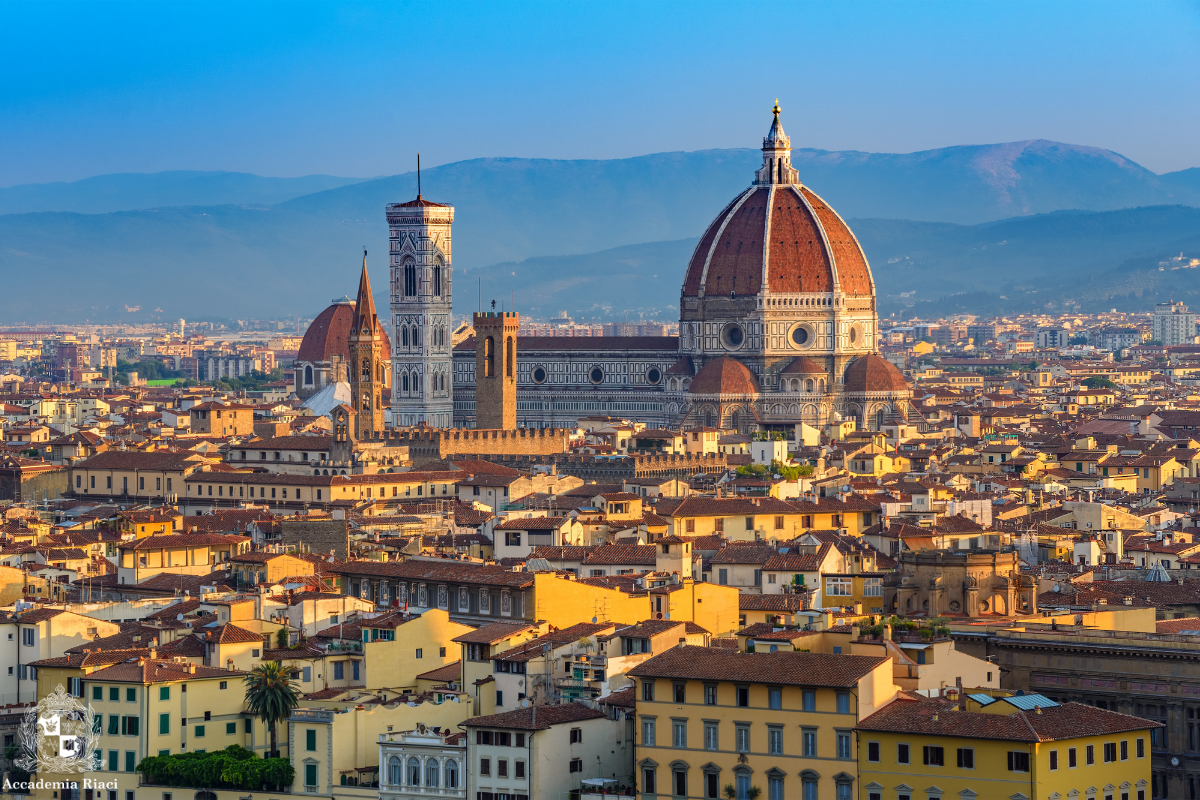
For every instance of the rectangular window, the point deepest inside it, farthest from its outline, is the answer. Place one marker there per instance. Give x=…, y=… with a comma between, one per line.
x=809, y=700
x=743, y=696
x=113, y=757
x=966, y=758
x=680, y=692
x=114, y=725
x=648, y=690
x=648, y=781
x=710, y=694
x=648, y=733
x=576, y=765
x=130, y=761
x=902, y=754
x=1141, y=749
x=843, y=745
x=230, y=728
x=131, y=695
x=743, y=739
x=843, y=702
x=114, y=693
x=164, y=693
x=1091, y=754
x=934, y=756
x=710, y=736
x=873, y=752
x=518, y=770
x=97, y=692
x=1018, y=761
x=310, y=775
x=1124, y=749
x=1110, y=752
x=808, y=743
x=1053, y=760
x=678, y=734
x=711, y=783
x=129, y=725
x=502, y=768
x=339, y=670
x=164, y=723
x=199, y=731
x=775, y=698
x=1071, y=759
x=775, y=741
x=485, y=766
x=310, y=740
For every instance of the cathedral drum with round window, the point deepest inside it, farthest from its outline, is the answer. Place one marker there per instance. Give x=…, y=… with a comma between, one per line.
x=538, y=374
x=596, y=375
x=653, y=376
x=801, y=336
x=733, y=336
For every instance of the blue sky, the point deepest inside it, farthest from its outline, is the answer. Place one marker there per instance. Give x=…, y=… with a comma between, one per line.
x=292, y=88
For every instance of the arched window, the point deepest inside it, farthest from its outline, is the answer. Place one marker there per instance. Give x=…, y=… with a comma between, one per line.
x=808, y=385
x=395, y=772
x=414, y=772
x=451, y=774
x=879, y=419
x=404, y=335
x=508, y=358
x=308, y=375
x=416, y=383
x=432, y=773
x=489, y=358
x=437, y=280
x=366, y=369
x=416, y=342
x=366, y=401
x=404, y=382
x=410, y=278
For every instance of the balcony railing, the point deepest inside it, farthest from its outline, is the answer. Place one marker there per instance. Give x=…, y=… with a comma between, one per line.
x=311, y=715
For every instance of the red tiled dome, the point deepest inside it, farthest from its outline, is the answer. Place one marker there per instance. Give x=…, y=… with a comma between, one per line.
x=329, y=334
x=810, y=248
x=724, y=375
x=803, y=365
x=873, y=373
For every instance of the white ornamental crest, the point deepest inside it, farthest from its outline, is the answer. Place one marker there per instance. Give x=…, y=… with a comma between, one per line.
x=58, y=735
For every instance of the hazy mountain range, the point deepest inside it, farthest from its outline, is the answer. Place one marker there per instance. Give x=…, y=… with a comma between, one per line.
x=595, y=238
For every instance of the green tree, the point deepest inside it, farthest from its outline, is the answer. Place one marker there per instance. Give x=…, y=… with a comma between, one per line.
x=271, y=695
x=1097, y=382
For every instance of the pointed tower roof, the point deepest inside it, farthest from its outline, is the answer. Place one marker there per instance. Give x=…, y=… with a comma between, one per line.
x=776, y=138
x=366, y=323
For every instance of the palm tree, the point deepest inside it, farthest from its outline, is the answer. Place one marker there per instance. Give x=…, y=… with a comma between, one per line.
x=271, y=696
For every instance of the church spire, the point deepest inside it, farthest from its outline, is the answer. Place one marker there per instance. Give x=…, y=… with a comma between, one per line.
x=777, y=155
x=366, y=323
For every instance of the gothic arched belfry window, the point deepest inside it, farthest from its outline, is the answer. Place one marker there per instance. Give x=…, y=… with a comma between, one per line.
x=437, y=280
x=366, y=369
x=410, y=279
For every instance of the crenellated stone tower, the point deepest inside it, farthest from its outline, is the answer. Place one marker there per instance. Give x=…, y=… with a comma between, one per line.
x=422, y=385
x=368, y=364
x=496, y=369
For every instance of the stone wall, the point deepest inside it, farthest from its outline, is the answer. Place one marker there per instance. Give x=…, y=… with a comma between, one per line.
x=318, y=536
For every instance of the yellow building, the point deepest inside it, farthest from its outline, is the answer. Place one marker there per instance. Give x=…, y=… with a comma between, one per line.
x=155, y=706
x=1028, y=746
x=399, y=647
x=780, y=722
x=477, y=648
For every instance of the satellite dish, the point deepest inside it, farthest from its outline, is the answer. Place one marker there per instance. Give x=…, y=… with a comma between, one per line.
x=525, y=702
x=179, y=617
x=593, y=620
x=1057, y=588
x=667, y=615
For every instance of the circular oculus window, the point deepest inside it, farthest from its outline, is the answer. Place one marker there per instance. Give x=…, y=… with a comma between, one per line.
x=654, y=375
x=732, y=336
x=538, y=374
x=801, y=337
x=596, y=375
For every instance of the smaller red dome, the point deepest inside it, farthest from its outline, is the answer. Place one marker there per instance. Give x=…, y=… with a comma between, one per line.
x=803, y=365
x=329, y=335
x=724, y=375
x=873, y=373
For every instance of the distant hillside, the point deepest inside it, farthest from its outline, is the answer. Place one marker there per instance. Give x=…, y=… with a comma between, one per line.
x=129, y=191
x=937, y=222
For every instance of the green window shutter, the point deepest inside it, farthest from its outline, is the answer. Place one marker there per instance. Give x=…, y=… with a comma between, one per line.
x=112, y=759
x=133, y=725
x=97, y=692
x=231, y=727
x=114, y=727
x=310, y=774
x=199, y=731
x=164, y=723
x=98, y=724
x=164, y=693
x=130, y=761
x=310, y=740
